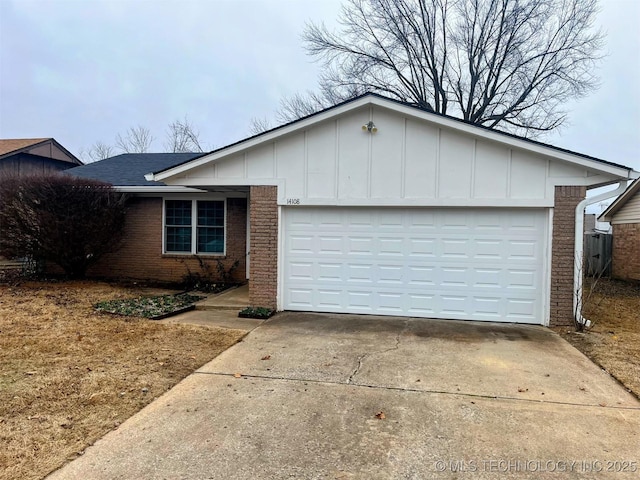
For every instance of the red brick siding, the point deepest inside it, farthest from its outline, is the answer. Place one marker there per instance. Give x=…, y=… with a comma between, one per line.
x=562, y=253
x=263, y=211
x=626, y=251
x=141, y=255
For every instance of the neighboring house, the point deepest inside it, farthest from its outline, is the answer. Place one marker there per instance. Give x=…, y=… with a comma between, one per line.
x=34, y=156
x=200, y=227
x=377, y=207
x=624, y=216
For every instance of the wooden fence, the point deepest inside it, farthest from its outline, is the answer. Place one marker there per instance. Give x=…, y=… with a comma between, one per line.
x=597, y=254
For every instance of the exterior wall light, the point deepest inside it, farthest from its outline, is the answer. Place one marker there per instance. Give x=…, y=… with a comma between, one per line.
x=369, y=127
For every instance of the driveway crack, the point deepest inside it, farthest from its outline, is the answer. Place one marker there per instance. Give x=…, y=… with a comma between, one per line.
x=362, y=357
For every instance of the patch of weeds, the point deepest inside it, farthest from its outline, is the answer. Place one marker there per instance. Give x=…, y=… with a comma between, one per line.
x=206, y=280
x=148, y=307
x=256, y=312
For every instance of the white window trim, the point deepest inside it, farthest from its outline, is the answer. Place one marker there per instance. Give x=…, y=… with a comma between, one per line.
x=194, y=199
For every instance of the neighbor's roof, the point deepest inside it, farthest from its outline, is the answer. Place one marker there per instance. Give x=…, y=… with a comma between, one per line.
x=10, y=147
x=620, y=202
x=14, y=144
x=374, y=98
x=129, y=169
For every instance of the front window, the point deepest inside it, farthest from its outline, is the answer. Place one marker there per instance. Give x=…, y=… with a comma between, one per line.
x=194, y=226
x=210, y=227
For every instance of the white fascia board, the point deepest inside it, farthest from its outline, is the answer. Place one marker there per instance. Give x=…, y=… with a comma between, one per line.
x=157, y=189
x=203, y=182
x=409, y=111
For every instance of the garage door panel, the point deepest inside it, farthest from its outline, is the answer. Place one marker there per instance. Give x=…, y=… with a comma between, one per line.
x=485, y=264
x=487, y=278
x=422, y=247
x=329, y=298
x=420, y=276
x=328, y=272
x=357, y=246
x=487, y=307
x=455, y=305
x=523, y=309
x=454, y=277
x=522, y=250
x=421, y=304
x=391, y=274
x=521, y=279
x=488, y=249
x=301, y=244
x=391, y=247
x=300, y=271
x=300, y=298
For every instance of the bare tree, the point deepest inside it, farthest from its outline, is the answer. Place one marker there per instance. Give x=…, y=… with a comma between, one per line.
x=100, y=151
x=510, y=64
x=136, y=140
x=303, y=104
x=183, y=137
x=259, y=125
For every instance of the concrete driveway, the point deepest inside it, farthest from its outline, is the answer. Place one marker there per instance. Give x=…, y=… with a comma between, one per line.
x=345, y=396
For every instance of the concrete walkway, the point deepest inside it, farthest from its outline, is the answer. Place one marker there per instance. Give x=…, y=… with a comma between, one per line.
x=232, y=299
x=311, y=396
x=219, y=311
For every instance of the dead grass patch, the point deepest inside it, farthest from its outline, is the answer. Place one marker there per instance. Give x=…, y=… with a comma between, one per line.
x=613, y=342
x=68, y=374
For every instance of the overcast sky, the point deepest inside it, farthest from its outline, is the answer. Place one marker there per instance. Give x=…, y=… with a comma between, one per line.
x=82, y=71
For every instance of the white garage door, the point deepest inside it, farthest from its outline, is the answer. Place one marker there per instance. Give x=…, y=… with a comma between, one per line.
x=476, y=264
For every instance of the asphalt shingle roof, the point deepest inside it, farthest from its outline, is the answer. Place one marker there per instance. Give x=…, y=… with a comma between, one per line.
x=129, y=169
x=12, y=144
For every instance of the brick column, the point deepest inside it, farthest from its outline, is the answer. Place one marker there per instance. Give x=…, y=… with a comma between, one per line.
x=562, y=253
x=263, y=257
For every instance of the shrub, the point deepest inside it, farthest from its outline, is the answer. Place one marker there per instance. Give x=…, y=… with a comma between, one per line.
x=256, y=312
x=207, y=281
x=69, y=221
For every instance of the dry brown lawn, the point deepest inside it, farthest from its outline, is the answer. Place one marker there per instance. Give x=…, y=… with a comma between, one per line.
x=613, y=342
x=68, y=375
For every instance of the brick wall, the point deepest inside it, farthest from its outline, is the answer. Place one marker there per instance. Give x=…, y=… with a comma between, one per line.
x=626, y=251
x=562, y=253
x=141, y=257
x=263, y=211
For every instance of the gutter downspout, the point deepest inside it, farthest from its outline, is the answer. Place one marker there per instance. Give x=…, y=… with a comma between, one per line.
x=578, y=254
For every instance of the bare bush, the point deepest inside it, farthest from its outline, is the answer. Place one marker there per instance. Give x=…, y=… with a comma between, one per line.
x=69, y=221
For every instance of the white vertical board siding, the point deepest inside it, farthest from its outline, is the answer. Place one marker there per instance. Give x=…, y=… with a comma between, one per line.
x=475, y=264
x=321, y=161
x=492, y=171
x=528, y=176
x=456, y=164
x=421, y=160
x=408, y=161
x=260, y=161
x=290, y=164
x=232, y=167
x=387, y=149
x=354, y=148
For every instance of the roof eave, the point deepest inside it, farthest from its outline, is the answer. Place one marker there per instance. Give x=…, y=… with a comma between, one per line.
x=618, y=171
x=610, y=212
x=156, y=189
